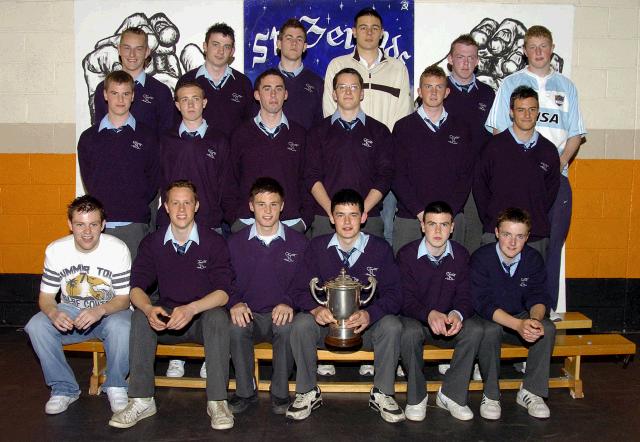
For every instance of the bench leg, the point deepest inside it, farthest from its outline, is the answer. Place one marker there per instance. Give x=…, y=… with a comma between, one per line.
x=572, y=370
x=99, y=365
x=256, y=372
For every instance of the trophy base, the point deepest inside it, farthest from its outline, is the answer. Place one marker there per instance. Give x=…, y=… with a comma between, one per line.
x=332, y=341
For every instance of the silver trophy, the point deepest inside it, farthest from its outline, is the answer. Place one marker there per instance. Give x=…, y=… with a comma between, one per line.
x=343, y=300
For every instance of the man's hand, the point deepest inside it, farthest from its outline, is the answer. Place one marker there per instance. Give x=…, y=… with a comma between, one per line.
x=61, y=320
x=88, y=317
x=358, y=321
x=241, y=314
x=282, y=314
x=153, y=316
x=453, y=319
x=438, y=322
x=530, y=329
x=323, y=316
x=181, y=316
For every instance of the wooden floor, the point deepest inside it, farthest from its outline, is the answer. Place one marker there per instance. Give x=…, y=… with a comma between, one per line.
x=609, y=411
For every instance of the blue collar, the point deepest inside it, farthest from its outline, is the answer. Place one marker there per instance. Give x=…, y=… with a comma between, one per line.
x=204, y=72
x=424, y=251
x=193, y=237
x=459, y=85
x=531, y=142
x=141, y=78
x=514, y=262
x=361, y=116
x=430, y=124
x=202, y=129
x=283, y=120
x=295, y=72
x=105, y=123
x=253, y=232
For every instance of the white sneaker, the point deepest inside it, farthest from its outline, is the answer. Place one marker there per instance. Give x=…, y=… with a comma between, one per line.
x=476, y=373
x=417, y=412
x=117, y=398
x=442, y=368
x=490, y=409
x=520, y=367
x=533, y=403
x=137, y=408
x=462, y=412
x=400, y=372
x=58, y=404
x=386, y=405
x=553, y=316
x=221, y=416
x=203, y=370
x=175, y=369
x=326, y=369
x=304, y=404
x=366, y=370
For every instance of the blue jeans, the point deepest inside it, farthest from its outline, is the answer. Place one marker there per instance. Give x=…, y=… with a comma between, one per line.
x=47, y=342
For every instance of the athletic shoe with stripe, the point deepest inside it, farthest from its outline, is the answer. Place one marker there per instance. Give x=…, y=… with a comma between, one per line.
x=386, y=405
x=533, y=403
x=304, y=404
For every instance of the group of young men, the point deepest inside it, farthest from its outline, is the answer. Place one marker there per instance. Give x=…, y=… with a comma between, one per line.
x=339, y=179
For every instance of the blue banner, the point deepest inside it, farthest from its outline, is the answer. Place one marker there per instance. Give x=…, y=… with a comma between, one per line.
x=329, y=26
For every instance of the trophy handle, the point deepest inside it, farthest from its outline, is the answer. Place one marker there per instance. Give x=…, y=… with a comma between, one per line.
x=372, y=285
x=313, y=285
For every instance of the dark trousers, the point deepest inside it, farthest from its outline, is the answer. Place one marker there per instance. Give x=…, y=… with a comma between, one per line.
x=472, y=229
x=210, y=328
x=261, y=329
x=465, y=344
x=131, y=235
x=536, y=377
x=560, y=217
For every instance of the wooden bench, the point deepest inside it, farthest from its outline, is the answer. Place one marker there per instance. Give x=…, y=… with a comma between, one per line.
x=570, y=347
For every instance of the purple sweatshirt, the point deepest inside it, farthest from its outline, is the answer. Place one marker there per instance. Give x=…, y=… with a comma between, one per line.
x=510, y=176
x=182, y=278
x=427, y=287
x=254, y=155
x=152, y=105
x=492, y=288
x=304, y=102
x=472, y=108
x=121, y=170
x=359, y=159
x=229, y=106
x=431, y=166
x=377, y=260
x=264, y=273
x=203, y=161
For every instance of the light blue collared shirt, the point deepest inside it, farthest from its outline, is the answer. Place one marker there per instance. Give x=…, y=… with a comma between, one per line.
x=361, y=116
x=105, y=123
x=531, y=142
x=424, y=251
x=193, y=236
x=295, y=72
x=253, y=233
x=258, y=119
x=514, y=262
x=141, y=78
x=227, y=73
x=433, y=126
x=286, y=222
x=458, y=86
x=202, y=129
x=359, y=247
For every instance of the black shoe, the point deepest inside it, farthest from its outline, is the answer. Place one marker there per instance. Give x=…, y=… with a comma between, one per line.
x=279, y=405
x=239, y=404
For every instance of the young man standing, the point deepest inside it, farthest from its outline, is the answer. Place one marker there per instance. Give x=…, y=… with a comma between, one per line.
x=304, y=87
x=433, y=161
x=362, y=256
x=118, y=160
x=270, y=145
x=265, y=258
x=559, y=121
x=228, y=91
x=519, y=168
x=469, y=100
x=437, y=310
x=387, y=90
x=510, y=295
x=348, y=150
x=91, y=270
x=193, y=274
x=152, y=105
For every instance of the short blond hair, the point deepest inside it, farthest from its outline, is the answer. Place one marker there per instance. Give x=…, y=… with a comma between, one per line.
x=538, y=31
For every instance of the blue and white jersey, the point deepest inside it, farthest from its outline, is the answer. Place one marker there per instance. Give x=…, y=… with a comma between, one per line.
x=559, y=118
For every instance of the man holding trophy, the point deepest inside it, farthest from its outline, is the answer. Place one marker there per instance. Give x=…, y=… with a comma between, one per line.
x=364, y=259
